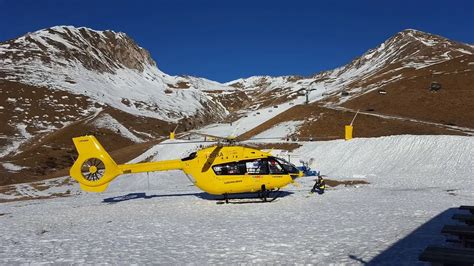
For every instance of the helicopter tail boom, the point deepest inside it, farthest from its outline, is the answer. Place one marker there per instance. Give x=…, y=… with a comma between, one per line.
x=94, y=169
x=151, y=166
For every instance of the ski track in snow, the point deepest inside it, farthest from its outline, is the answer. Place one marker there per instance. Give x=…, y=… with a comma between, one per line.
x=409, y=176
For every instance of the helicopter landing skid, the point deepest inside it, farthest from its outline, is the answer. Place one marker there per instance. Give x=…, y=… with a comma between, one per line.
x=263, y=196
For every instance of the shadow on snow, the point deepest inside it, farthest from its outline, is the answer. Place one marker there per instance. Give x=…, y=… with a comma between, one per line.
x=201, y=195
x=406, y=250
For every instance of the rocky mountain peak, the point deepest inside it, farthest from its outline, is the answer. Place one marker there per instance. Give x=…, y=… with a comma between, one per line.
x=410, y=48
x=101, y=51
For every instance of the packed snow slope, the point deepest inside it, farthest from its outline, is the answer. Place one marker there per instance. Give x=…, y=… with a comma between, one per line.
x=163, y=218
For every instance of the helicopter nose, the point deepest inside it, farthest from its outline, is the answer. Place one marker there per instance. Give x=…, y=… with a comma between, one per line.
x=296, y=175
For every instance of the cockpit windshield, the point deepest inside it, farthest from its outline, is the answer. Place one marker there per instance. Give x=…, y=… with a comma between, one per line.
x=289, y=167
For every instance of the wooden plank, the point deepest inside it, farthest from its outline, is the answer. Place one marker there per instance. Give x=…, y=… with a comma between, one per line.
x=466, y=218
x=447, y=255
x=459, y=230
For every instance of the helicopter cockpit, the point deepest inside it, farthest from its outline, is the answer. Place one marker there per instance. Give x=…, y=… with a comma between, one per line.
x=289, y=167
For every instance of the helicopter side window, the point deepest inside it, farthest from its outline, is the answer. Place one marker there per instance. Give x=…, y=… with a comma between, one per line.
x=275, y=168
x=259, y=167
x=289, y=167
x=230, y=169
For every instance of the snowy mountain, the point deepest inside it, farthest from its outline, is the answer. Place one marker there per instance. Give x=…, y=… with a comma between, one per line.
x=71, y=81
x=391, y=80
x=388, y=63
x=109, y=68
x=64, y=81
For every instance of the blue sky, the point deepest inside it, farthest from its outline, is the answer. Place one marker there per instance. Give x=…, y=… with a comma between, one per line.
x=225, y=40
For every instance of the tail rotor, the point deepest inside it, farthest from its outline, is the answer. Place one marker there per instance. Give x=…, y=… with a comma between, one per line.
x=94, y=168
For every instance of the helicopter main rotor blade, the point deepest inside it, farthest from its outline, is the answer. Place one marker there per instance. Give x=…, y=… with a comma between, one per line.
x=186, y=142
x=297, y=139
x=211, y=158
x=210, y=136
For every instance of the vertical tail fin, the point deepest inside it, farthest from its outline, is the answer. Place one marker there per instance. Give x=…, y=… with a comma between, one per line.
x=94, y=168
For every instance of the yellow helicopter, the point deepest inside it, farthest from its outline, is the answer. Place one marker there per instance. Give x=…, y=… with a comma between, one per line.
x=221, y=169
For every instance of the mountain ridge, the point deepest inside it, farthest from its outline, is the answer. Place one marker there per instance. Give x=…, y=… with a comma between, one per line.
x=69, y=81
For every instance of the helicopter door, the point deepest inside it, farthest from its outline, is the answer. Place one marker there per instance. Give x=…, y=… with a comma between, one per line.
x=275, y=168
x=257, y=167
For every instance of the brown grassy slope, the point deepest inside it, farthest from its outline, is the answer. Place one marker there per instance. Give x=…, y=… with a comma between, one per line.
x=411, y=97
x=49, y=152
x=324, y=123
x=53, y=155
x=37, y=108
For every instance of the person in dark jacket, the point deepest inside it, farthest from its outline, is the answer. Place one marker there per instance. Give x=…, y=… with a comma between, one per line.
x=319, y=186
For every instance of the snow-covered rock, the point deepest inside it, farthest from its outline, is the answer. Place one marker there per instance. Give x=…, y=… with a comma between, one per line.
x=108, y=67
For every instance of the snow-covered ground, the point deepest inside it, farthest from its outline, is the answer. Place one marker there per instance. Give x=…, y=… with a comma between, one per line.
x=108, y=122
x=162, y=218
x=249, y=120
x=12, y=167
x=281, y=130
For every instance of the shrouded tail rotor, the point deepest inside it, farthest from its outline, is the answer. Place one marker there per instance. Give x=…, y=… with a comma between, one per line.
x=94, y=168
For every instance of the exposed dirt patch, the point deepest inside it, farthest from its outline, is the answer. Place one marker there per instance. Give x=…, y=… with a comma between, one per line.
x=51, y=153
x=237, y=85
x=52, y=118
x=294, y=78
x=321, y=123
x=182, y=85
x=40, y=186
x=411, y=97
x=38, y=108
x=6, y=189
x=233, y=101
x=346, y=183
